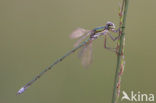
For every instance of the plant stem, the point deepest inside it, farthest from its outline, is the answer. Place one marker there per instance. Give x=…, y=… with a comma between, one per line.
x=119, y=55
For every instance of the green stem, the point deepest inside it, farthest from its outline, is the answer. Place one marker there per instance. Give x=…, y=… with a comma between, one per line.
x=119, y=56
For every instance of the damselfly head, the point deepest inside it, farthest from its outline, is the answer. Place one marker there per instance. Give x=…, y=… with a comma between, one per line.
x=110, y=25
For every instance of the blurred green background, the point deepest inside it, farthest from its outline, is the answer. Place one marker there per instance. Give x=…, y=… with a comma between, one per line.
x=34, y=33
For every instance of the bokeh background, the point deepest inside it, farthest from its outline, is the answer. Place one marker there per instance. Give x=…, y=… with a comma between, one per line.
x=34, y=33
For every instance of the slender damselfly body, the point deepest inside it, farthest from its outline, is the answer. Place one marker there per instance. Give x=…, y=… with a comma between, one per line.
x=86, y=45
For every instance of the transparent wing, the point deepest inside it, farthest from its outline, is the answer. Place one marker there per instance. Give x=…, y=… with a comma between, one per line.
x=78, y=33
x=86, y=54
x=81, y=39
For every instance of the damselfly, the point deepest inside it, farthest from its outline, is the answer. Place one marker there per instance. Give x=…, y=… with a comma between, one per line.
x=86, y=51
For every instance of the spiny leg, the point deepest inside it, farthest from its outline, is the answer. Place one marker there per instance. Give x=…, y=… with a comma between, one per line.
x=106, y=47
x=113, y=39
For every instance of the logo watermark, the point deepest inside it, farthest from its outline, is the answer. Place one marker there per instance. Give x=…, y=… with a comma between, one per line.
x=137, y=96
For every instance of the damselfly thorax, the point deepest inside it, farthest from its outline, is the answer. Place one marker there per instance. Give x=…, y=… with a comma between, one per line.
x=95, y=32
x=86, y=51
